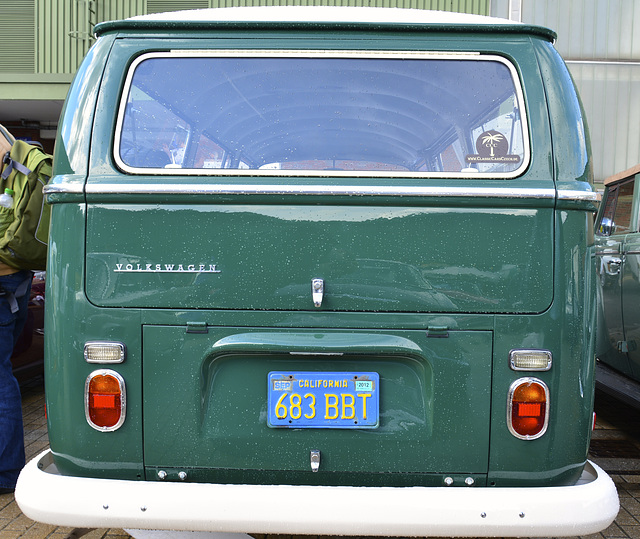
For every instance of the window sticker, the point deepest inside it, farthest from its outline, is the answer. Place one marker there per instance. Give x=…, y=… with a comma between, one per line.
x=492, y=147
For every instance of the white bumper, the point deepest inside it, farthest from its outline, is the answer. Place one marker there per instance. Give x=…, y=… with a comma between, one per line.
x=588, y=507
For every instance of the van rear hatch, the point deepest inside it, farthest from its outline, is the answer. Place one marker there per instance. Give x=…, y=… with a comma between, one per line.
x=390, y=178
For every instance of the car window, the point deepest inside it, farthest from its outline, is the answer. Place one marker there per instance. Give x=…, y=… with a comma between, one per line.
x=384, y=114
x=617, y=215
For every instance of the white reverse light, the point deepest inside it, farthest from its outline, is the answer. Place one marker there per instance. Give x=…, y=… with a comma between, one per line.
x=530, y=360
x=104, y=352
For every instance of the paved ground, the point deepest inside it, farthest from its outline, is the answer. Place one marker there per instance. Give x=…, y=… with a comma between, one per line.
x=615, y=447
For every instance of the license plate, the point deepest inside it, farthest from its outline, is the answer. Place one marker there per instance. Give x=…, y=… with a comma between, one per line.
x=324, y=400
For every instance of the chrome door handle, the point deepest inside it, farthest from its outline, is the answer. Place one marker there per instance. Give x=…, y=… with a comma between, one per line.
x=613, y=265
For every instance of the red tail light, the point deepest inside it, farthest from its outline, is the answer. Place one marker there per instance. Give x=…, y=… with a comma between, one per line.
x=105, y=400
x=528, y=408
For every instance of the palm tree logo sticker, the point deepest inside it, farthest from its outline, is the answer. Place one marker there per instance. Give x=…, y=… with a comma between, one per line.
x=492, y=144
x=491, y=139
x=492, y=147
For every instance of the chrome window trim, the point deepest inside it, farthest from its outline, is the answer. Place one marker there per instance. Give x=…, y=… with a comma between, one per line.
x=123, y=398
x=512, y=389
x=312, y=53
x=386, y=54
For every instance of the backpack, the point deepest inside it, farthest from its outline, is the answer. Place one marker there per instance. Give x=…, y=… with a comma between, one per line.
x=24, y=227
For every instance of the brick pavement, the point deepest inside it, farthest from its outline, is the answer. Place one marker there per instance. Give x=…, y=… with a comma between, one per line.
x=616, y=439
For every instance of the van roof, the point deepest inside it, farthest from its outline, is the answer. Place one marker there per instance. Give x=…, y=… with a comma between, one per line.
x=624, y=175
x=323, y=16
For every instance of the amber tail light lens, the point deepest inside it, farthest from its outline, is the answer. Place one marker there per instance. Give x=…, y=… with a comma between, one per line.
x=528, y=408
x=105, y=400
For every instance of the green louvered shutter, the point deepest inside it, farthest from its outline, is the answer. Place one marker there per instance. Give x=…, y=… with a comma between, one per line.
x=17, y=36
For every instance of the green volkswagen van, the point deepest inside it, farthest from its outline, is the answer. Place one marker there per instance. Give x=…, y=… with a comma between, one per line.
x=321, y=271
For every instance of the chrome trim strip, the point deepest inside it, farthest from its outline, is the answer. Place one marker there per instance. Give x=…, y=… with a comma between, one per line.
x=578, y=196
x=74, y=188
x=325, y=190
x=603, y=62
x=346, y=190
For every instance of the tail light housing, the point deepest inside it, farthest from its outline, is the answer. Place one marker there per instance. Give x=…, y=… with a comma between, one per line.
x=105, y=400
x=528, y=408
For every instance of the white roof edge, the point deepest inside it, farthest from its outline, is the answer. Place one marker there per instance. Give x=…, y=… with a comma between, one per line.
x=324, y=14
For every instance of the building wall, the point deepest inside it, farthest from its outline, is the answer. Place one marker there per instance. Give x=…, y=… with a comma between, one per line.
x=65, y=29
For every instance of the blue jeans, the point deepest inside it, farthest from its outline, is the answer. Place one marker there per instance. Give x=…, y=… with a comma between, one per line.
x=12, y=458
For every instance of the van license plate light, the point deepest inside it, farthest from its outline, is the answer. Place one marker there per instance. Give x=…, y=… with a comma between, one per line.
x=323, y=400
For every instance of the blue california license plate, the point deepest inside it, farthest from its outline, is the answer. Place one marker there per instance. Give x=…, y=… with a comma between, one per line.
x=324, y=400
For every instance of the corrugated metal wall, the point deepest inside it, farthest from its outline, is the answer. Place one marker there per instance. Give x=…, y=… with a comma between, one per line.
x=611, y=96
x=160, y=6
x=590, y=29
x=64, y=29
x=17, y=36
x=109, y=10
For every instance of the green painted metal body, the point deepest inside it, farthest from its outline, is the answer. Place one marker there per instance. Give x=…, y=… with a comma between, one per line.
x=432, y=292
x=617, y=262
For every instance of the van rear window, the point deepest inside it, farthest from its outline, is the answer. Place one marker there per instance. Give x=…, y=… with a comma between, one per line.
x=300, y=113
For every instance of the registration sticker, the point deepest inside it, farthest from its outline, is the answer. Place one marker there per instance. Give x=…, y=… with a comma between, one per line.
x=323, y=400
